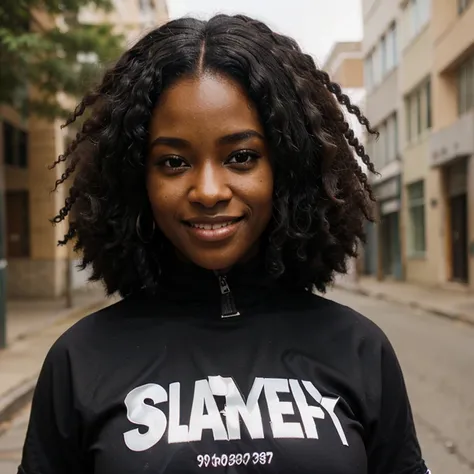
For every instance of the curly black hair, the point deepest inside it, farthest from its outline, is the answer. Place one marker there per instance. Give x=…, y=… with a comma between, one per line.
x=322, y=197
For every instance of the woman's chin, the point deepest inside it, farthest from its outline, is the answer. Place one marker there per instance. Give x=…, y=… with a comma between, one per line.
x=215, y=265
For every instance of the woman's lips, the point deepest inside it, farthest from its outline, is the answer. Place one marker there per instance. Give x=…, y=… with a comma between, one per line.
x=209, y=231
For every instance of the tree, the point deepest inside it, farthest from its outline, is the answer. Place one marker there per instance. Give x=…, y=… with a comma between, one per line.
x=43, y=44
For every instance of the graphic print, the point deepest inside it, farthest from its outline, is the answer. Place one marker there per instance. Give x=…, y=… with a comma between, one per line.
x=225, y=425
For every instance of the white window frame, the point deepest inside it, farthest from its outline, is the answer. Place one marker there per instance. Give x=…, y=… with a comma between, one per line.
x=418, y=109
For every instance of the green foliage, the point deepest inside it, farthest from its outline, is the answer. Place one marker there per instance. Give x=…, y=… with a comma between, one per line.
x=57, y=55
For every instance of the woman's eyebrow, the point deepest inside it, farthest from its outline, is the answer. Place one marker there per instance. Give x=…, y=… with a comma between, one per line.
x=170, y=141
x=239, y=137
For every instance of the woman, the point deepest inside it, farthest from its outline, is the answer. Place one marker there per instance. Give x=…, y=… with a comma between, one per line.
x=215, y=185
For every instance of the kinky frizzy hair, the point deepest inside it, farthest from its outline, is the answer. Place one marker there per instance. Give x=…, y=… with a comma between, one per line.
x=321, y=199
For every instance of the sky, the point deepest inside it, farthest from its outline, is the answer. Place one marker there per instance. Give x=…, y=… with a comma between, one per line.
x=315, y=24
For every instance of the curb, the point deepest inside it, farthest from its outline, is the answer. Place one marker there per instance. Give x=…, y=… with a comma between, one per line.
x=453, y=316
x=19, y=396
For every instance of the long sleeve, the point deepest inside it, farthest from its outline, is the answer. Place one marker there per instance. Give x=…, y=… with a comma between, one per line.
x=393, y=447
x=53, y=439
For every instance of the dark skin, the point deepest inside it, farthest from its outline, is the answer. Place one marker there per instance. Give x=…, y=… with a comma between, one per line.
x=209, y=177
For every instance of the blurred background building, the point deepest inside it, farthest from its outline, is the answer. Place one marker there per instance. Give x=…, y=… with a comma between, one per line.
x=381, y=77
x=419, y=80
x=37, y=267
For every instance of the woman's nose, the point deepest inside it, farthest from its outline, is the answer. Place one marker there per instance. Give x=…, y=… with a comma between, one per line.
x=210, y=186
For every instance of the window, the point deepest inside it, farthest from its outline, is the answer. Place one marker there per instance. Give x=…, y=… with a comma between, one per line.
x=395, y=134
x=390, y=57
x=416, y=16
x=15, y=146
x=22, y=149
x=9, y=143
x=409, y=115
x=419, y=115
x=383, y=56
x=418, y=111
x=392, y=46
x=382, y=142
x=145, y=6
x=428, y=105
x=463, y=5
x=466, y=86
x=416, y=228
x=382, y=59
x=369, y=72
x=390, y=148
x=17, y=224
x=385, y=149
x=392, y=133
x=377, y=65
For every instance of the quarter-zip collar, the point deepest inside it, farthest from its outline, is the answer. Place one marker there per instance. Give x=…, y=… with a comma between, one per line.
x=228, y=293
x=228, y=308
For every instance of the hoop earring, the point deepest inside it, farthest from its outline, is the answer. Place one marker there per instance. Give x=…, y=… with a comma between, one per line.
x=138, y=229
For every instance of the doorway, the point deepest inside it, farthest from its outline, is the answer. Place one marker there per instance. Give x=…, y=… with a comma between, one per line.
x=17, y=224
x=392, y=263
x=457, y=189
x=459, y=239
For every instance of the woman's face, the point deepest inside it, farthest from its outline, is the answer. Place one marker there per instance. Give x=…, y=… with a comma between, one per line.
x=209, y=178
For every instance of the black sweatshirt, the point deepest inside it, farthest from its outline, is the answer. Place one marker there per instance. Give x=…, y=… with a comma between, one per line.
x=289, y=382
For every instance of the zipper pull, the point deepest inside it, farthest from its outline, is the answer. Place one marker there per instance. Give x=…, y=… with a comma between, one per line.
x=227, y=301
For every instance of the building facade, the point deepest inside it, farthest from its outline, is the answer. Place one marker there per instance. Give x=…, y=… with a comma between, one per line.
x=380, y=48
x=36, y=266
x=451, y=145
x=426, y=192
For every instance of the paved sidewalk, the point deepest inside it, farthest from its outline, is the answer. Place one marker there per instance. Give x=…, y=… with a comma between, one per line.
x=11, y=442
x=453, y=304
x=27, y=316
x=32, y=328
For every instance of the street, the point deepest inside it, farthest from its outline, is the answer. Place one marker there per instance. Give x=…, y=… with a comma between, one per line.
x=437, y=356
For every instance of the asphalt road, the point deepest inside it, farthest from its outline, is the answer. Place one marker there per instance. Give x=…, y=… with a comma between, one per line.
x=437, y=357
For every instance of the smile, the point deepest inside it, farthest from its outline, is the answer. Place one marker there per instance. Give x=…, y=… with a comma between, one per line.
x=209, y=231
x=212, y=226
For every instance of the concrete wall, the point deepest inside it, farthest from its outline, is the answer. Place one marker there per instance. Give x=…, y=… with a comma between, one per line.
x=350, y=74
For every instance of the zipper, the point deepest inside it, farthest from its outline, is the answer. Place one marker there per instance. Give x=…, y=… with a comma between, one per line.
x=228, y=309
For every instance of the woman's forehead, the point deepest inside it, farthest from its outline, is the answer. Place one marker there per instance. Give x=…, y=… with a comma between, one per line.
x=206, y=103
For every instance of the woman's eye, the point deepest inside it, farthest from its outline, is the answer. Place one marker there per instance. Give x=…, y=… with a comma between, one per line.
x=242, y=158
x=174, y=162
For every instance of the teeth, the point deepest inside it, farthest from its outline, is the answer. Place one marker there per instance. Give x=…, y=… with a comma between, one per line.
x=211, y=226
